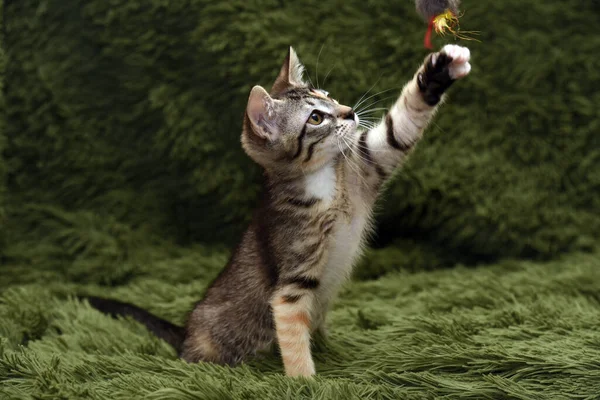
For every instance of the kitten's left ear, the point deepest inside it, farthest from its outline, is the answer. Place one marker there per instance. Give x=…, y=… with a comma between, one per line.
x=262, y=114
x=290, y=74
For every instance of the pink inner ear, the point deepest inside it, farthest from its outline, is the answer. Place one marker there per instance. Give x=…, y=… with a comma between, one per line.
x=261, y=113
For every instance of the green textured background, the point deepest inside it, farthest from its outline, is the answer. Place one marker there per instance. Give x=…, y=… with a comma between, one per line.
x=122, y=174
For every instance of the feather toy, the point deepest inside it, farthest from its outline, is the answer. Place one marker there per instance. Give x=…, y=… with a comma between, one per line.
x=441, y=16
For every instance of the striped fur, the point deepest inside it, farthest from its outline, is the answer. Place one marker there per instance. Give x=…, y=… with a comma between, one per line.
x=321, y=182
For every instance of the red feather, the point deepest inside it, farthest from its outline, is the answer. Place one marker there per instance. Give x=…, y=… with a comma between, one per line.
x=428, y=44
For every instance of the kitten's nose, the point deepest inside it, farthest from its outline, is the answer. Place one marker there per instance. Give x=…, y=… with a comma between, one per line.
x=349, y=115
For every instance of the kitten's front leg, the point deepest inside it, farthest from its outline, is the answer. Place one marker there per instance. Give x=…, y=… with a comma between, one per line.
x=387, y=144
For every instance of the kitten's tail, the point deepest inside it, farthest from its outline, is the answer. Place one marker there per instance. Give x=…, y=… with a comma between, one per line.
x=161, y=328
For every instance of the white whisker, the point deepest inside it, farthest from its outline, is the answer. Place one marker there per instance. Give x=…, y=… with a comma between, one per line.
x=326, y=76
x=371, y=150
x=373, y=95
x=350, y=163
x=378, y=101
x=368, y=124
x=358, y=154
x=368, y=111
x=358, y=167
x=310, y=80
x=367, y=92
x=369, y=118
x=317, y=68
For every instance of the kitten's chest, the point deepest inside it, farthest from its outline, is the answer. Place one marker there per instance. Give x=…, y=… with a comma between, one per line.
x=344, y=247
x=351, y=216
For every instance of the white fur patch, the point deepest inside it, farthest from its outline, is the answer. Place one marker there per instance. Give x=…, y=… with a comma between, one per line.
x=321, y=183
x=345, y=248
x=460, y=67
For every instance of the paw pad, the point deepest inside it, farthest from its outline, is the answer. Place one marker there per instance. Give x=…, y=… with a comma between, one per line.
x=441, y=70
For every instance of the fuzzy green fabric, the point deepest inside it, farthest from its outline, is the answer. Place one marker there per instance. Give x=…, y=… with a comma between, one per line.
x=122, y=175
x=515, y=330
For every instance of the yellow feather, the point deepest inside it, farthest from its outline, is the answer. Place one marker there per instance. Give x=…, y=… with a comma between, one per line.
x=448, y=22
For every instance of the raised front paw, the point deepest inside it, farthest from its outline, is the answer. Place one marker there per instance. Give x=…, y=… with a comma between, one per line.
x=441, y=70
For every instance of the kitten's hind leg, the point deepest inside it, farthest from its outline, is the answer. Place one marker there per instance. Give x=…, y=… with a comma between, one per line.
x=322, y=330
x=319, y=323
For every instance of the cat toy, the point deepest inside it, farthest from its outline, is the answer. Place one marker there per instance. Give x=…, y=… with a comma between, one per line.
x=441, y=16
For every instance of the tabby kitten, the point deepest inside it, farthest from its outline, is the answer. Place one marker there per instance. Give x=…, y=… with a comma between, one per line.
x=322, y=177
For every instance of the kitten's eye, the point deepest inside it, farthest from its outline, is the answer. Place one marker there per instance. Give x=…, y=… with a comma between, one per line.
x=316, y=118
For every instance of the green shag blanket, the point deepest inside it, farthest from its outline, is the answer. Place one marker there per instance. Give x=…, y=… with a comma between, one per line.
x=515, y=330
x=122, y=175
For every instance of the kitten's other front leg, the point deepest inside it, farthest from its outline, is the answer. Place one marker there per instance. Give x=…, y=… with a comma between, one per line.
x=292, y=316
x=388, y=143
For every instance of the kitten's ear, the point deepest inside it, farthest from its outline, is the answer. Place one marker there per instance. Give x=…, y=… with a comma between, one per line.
x=290, y=74
x=262, y=114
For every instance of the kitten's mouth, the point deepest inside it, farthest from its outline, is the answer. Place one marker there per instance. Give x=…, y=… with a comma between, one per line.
x=344, y=136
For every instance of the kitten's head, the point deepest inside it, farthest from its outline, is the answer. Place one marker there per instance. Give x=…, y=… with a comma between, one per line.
x=295, y=128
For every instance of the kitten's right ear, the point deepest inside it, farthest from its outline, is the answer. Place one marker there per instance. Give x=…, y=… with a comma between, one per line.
x=262, y=114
